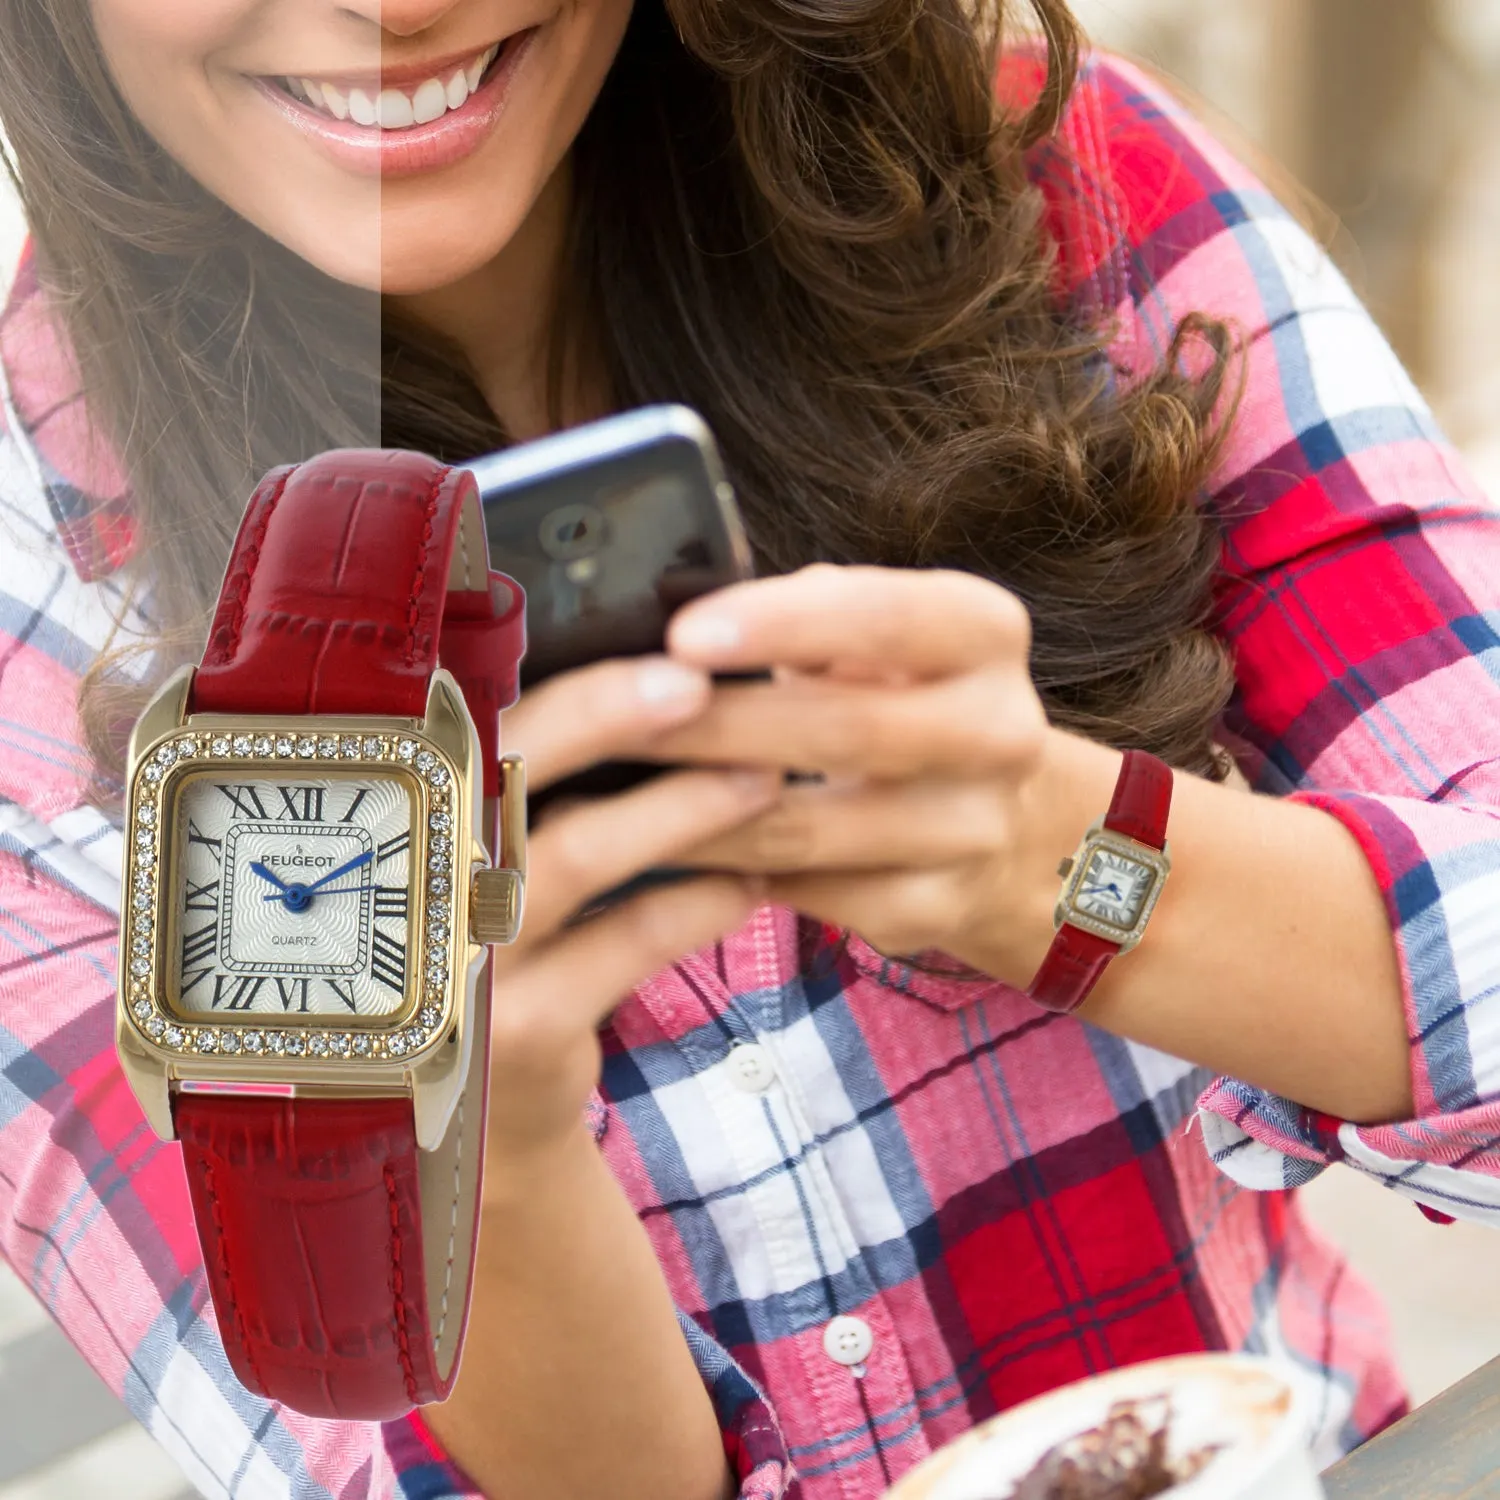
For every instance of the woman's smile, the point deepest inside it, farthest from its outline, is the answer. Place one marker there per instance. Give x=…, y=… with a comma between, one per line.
x=402, y=120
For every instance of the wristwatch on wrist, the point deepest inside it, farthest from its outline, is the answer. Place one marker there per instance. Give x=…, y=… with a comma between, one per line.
x=304, y=998
x=1110, y=885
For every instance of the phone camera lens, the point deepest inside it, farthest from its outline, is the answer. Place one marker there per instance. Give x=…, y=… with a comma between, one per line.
x=572, y=532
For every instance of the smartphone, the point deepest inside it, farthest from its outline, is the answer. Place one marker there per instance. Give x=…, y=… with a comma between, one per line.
x=610, y=528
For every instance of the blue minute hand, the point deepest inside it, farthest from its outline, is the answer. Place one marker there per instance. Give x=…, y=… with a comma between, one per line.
x=353, y=864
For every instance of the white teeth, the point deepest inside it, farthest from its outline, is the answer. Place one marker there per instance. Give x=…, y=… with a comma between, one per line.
x=429, y=103
x=396, y=109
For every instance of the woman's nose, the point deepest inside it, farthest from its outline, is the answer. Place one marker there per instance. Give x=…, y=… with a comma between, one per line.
x=403, y=17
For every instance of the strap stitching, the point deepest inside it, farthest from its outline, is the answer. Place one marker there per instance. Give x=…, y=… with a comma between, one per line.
x=403, y=1345
x=237, y=1317
x=458, y=1156
x=422, y=561
x=239, y=583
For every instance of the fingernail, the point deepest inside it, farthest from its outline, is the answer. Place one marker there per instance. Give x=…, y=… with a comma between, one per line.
x=706, y=632
x=667, y=682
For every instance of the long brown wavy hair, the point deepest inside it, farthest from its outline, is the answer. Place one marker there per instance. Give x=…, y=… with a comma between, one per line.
x=809, y=219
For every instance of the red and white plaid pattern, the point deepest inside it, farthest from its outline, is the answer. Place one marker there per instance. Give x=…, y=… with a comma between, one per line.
x=1008, y=1198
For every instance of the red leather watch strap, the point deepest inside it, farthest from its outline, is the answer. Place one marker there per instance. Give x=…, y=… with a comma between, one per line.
x=310, y=1220
x=1077, y=958
x=352, y=576
x=339, y=1255
x=1142, y=799
x=1071, y=968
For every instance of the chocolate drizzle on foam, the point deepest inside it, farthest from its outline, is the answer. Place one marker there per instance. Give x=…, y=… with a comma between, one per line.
x=1124, y=1458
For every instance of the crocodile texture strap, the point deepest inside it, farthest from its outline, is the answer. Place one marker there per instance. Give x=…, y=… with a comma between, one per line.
x=1077, y=959
x=352, y=575
x=1142, y=800
x=339, y=1254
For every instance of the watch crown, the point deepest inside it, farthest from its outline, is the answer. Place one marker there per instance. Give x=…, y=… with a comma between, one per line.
x=1066, y=867
x=495, y=902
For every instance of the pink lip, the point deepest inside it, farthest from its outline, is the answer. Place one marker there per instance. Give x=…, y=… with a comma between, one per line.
x=373, y=152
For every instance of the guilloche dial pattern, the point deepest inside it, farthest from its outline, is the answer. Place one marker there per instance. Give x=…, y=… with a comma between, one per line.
x=281, y=893
x=294, y=894
x=1114, y=889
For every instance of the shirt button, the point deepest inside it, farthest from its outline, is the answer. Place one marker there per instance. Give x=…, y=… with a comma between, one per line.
x=751, y=1068
x=848, y=1341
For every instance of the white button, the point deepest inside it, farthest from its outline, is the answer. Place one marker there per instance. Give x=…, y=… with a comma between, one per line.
x=848, y=1341
x=751, y=1068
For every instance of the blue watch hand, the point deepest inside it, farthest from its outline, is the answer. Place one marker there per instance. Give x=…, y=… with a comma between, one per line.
x=353, y=864
x=338, y=890
x=266, y=874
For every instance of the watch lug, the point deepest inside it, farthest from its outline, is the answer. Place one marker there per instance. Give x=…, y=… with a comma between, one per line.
x=163, y=715
x=147, y=1079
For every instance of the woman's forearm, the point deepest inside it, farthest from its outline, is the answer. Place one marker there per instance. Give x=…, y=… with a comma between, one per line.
x=1270, y=956
x=576, y=1379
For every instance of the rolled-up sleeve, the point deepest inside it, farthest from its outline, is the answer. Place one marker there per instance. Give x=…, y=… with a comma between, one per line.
x=1361, y=598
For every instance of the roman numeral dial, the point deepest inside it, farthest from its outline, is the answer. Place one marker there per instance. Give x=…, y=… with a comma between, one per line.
x=294, y=894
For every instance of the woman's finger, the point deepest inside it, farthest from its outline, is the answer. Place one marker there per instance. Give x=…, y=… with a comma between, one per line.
x=877, y=825
x=983, y=723
x=589, y=848
x=929, y=622
x=896, y=911
x=574, y=982
x=605, y=710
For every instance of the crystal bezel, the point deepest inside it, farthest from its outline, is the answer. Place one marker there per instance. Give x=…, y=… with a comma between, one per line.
x=1158, y=861
x=422, y=1017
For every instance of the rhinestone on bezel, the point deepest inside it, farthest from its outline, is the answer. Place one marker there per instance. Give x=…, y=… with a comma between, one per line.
x=295, y=1046
x=374, y=745
x=286, y=745
x=362, y=1046
x=253, y=1041
x=243, y=744
x=264, y=744
x=155, y=1026
x=307, y=746
x=406, y=749
x=349, y=747
x=328, y=746
x=207, y=1042
x=219, y=746
x=229, y=1042
x=173, y=1036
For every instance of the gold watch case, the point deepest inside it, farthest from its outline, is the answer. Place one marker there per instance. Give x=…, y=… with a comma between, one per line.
x=458, y=904
x=1075, y=867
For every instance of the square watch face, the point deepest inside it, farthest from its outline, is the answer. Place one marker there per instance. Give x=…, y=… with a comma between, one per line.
x=1114, y=889
x=292, y=895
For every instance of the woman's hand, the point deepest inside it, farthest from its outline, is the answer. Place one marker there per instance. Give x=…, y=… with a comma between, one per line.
x=911, y=691
x=553, y=988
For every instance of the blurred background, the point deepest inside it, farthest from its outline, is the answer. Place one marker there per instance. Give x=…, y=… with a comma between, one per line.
x=1387, y=112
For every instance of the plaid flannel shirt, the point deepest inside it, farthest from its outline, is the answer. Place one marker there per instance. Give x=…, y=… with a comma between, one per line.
x=1008, y=1199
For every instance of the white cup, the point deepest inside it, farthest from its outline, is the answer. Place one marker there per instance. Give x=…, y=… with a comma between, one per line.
x=1243, y=1405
